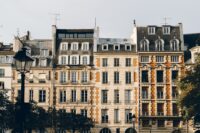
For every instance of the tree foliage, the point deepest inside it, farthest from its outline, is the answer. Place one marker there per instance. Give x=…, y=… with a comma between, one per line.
x=190, y=90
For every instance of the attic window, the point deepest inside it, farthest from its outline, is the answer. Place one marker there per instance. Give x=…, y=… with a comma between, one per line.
x=151, y=30
x=105, y=47
x=128, y=47
x=166, y=30
x=116, y=47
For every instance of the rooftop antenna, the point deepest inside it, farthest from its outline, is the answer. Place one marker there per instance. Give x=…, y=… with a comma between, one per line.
x=165, y=20
x=18, y=32
x=56, y=17
x=95, y=22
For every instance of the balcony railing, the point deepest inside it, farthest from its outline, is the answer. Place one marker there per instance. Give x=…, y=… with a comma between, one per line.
x=117, y=102
x=145, y=113
x=129, y=102
x=160, y=113
x=42, y=81
x=105, y=102
x=117, y=121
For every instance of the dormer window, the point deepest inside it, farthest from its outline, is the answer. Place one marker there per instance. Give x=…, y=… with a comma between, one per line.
x=174, y=44
x=117, y=47
x=128, y=47
x=151, y=30
x=85, y=46
x=166, y=30
x=64, y=46
x=159, y=45
x=44, y=52
x=144, y=45
x=74, y=46
x=105, y=47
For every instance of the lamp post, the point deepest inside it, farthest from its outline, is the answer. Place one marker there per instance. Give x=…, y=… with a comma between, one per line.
x=23, y=63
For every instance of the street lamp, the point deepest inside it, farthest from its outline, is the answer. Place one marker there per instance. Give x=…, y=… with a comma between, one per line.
x=23, y=63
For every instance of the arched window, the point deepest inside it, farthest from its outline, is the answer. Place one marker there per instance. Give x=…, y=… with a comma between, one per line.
x=174, y=45
x=159, y=45
x=74, y=60
x=144, y=45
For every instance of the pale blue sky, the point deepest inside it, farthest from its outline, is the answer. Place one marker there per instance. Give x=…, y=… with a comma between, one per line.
x=114, y=17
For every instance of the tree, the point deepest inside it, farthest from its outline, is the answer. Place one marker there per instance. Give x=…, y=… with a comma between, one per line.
x=190, y=90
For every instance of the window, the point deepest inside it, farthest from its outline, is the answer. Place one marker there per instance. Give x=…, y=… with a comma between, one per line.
x=2, y=59
x=116, y=62
x=84, y=95
x=43, y=62
x=62, y=96
x=159, y=58
x=116, y=96
x=127, y=96
x=85, y=46
x=116, y=115
x=105, y=47
x=144, y=59
x=64, y=46
x=174, y=93
x=105, y=62
x=2, y=72
x=74, y=46
x=42, y=95
x=73, y=111
x=166, y=30
x=159, y=75
x=151, y=30
x=160, y=109
x=176, y=123
x=145, y=77
x=145, y=123
x=105, y=77
x=1, y=85
x=30, y=95
x=128, y=62
x=42, y=77
x=63, y=60
x=84, y=77
x=44, y=52
x=175, y=59
x=128, y=116
x=128, y=47
x=174, y=75
x=174, y=44
x=74, y=77
x=104, y=116
x=161, y=123
x=145, y=109
x=84, y=112
x=104, y=96
x=175, y=109
x=73, y=96
x=144, y=92
x=116, y=77
x=63, y=77
x=84, y=60
x=128, y=77
x=74, y=60
x=159, y=45
x=144, y=45
x=160, y=93
x=116, y=47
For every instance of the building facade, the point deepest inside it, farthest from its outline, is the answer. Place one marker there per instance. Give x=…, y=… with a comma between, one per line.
x=161, y=63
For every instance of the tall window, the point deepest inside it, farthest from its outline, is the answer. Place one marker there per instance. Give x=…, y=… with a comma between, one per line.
x=128, y=115
x=116, y=96
x=174, y=75
x=30, y=95
x=105, y=62
x=145, y=109
x=84, y=60
x=160, y=76
x=127, y=96
x=104, y=96
x=128, y=77
x=174, y=93
x=74, y=60
x=84, y=112
x=63, y=60
x=174, y=59
x=144, y=59
x=85, y=46
x=144, y=92
x=2, y=72
x=174, y=45
x=63, y=77
x=104, y=116
x=73, y=95
x=42, y=95
x=116, y=62
x=64, y=46
x=128, y=62
x=159, y=58
x=73, y=77
x=84, y=95
x=116, y=77
x=74, y=46
x=160, y=93
x=159, y=45
x=84, y=77
x=62, y=96
x=160, y=109
x=175, y=109
x=144, y=45
x=116, y=115
x=104, y=77
x=145, y=77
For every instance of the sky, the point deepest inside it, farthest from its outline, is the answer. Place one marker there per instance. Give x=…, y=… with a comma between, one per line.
x=114, y=17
